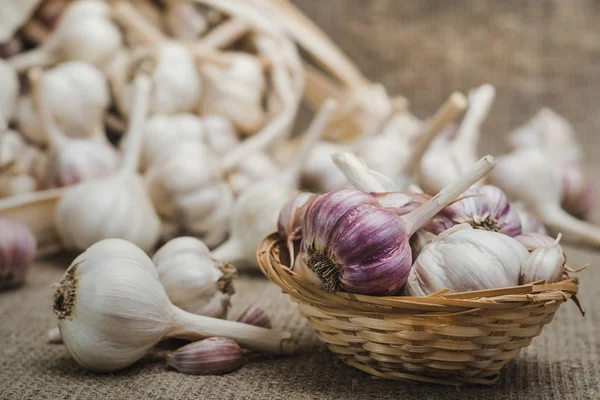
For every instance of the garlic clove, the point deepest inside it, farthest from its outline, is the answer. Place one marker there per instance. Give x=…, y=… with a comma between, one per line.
x=215, y=355
x=544, y=263
x=17, y=251
x=254, y=315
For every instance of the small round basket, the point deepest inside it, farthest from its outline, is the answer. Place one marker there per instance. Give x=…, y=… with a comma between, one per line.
x=445, y=338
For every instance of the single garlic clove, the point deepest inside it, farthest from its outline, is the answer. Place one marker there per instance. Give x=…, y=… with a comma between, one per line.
x=535, y=240
x=17, y=251
x=192, y=279
x=214, y=355
x=254, y=315
x=544, y=263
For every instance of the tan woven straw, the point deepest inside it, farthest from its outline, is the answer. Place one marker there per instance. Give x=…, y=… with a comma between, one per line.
x=445, y=338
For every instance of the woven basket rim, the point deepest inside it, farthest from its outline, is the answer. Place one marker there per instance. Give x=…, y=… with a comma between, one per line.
x=437, y=304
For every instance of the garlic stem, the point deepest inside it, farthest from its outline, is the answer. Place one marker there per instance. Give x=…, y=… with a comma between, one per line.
x=137, y=121
x=558, y=220
x=357, y=173
x=469, y=132
x=126, y=15
x=37, y=57
x=310, y=138
x=191, y=326
x=455, y=104
x=55, y=136
x=224, y=35
x=416, y=219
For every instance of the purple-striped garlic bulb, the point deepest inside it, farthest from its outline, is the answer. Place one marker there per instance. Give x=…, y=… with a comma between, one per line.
x=529, y=222
x=545, y=262
x=17, y=250
x=353, y=243
x=485, y=208
x=289, y=223
x=577, y=194
x=215, y=355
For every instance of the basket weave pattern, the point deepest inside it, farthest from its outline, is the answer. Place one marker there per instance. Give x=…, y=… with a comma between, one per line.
x=445, y=338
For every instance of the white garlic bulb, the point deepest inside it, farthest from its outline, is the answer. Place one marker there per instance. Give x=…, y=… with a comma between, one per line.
x=116, y=206
x=165, y=131
x=193, y=280
x=112, y=309
x=9, y=90
x=545, y=262
x=186, y=188
x=85, y=32
x=445, y=161
x=80, y=99
x=236, y=91
x=256, y=167
x=464, y=259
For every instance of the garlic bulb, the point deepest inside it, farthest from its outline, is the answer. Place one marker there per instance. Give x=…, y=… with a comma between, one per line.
x=485, y=208
x=164, y=131
x=193, y=280
x=577, y=195
x=464, y=259
x=256, y=211
x=17, y=250
x=526, y=175
x=534, y=240
x=9, y=90
x=85, y=32
x=320, y=173
x=353, y=243
x=529, y=222
x=215, y=355
x=545, y=262
x=112, y=309
x=116, y=206
x=176, y=81
x=71, y=161
x=550, y=133
x=236, y=92
x=81, y=98
x=186, y=188
x=256, y=167
x=444, y=161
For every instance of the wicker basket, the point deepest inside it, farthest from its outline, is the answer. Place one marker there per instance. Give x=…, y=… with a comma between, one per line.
x=445, y=338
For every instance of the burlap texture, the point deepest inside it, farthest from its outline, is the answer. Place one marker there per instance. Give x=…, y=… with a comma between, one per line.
x=536, y=53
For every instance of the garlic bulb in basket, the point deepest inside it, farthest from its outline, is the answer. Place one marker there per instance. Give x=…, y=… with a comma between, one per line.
x=545, y=262
x=80, y=100
x=115, y=206
x=256, y=211
x=236, y=91
x=9, y=90
x=193, y=280
x=71, y=160
x=526, y=175
x=354, y=243
x=464, y=259
x=84, y=32
x=444, y=161
x=17, y=250
x=112, y=309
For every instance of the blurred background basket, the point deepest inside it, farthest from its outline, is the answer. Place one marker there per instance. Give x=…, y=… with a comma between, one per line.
x=445, y=338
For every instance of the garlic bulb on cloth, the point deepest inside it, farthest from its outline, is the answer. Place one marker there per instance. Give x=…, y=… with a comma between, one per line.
x=71, y=160
x=17, y=250
x=353, y=243
x=112, y=309
x=9, y=90
x=526, y=175
x=115, y=206
x=81, y=98
x=84, y=32
x=193, y=280
x=464, y=259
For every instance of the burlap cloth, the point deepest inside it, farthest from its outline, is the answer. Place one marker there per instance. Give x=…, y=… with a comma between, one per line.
x=536, y=53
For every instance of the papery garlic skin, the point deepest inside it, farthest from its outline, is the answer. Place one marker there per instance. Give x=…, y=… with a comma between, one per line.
x=9, y=90
x=529, y=222
x=214, y=355
x=466, y=260
x=546, y=262
x=336, y=226
x=483, y=208
x=401, y=203
x=17, y=251
x=186, y=190
x=289, y=224
x=236, y=92
x=192, y=279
